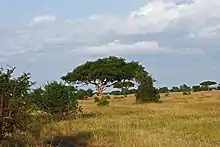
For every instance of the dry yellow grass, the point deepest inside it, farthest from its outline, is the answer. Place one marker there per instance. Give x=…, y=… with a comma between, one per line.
x=179, y=121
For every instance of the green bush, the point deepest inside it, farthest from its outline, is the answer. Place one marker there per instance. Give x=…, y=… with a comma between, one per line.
x=146, y=91
x=14, y=103
x=90, y=92
x=56, y=99
x=81, y=94
x=102, y=102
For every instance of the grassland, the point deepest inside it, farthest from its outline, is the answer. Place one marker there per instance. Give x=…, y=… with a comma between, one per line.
x=179, y=121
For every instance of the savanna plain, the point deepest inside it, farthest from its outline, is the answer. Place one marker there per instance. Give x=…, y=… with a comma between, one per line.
x=178, y=121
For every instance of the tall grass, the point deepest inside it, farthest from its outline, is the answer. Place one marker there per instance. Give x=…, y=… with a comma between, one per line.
x=179, y=121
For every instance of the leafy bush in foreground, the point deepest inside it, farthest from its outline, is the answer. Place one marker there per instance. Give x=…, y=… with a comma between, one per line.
x=14, y=103
x=56, y=99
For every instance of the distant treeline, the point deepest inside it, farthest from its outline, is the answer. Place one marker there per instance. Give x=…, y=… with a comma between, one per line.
x=203, y=86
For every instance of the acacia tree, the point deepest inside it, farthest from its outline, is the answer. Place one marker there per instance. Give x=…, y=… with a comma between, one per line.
x=102, y=73
x=124, y=86
x=207, y=84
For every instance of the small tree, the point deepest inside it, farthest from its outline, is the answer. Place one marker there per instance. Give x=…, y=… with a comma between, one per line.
x=56, y=99
x=124, y=86
x=15, y=104
x=207, y=84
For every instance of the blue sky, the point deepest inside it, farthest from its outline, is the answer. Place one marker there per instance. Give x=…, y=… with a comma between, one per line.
x=176, y=40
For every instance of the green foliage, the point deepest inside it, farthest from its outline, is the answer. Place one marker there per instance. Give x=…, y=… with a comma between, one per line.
x=102, y=73
x=218, y=87
x=15, y=104
x=146, y=91
x=124, y=86
x=207, y=84
x=56, y=99
x=175, y=89
x=81, y=94
x=163, y=90
x=196, y=88
x=185, y=89
x=103, y=101
x=90, y=92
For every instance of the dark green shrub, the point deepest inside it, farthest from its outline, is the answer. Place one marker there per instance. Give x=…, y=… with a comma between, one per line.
x=56, y=99
x=15, y=105
x=196, y=88
x=90, y=93
x=163, y=90
x=81, y=94
x=146, y=91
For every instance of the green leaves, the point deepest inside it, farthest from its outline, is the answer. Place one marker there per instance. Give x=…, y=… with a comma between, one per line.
x=103, y=72
x=14, y=102
x=208, y=83
x=56, y=99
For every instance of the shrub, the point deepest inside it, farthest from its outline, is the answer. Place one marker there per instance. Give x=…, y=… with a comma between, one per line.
x=14, y=103
x=90, y=93
x=102, y=102
x=147, y=94
x=81, y=94
x=146, y=91
x=56, y=99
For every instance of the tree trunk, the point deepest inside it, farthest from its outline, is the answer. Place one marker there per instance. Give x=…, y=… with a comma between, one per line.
x=100, y=90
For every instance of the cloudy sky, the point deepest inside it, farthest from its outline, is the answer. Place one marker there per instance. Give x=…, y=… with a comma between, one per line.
x=176, y=40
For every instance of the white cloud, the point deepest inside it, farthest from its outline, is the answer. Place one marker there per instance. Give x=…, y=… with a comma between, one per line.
x=42, y=19
x=117, y=48
x=158, y=25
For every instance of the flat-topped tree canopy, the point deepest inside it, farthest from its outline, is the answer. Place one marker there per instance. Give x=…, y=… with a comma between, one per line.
x=103, y=73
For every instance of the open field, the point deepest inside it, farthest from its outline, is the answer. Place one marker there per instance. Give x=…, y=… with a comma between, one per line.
x=179, y=121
